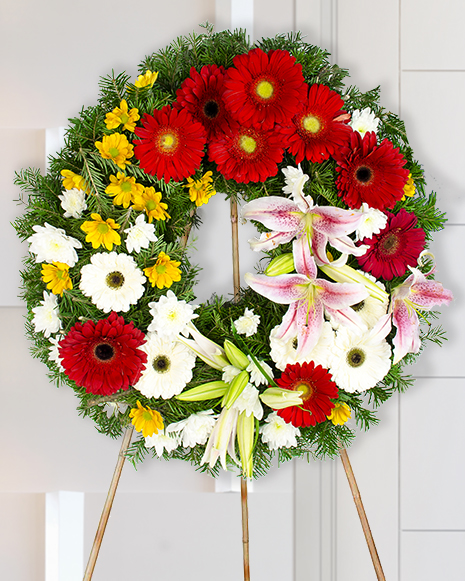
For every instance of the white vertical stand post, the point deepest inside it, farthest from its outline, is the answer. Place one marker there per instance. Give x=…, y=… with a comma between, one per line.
x=64, y=536
x=234, y=14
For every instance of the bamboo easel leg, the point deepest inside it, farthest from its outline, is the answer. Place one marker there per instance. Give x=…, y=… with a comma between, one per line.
x=245, y=529
x=108, y=504
x=362, y=515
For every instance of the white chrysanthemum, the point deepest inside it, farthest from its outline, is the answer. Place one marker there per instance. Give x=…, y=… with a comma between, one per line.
x=195, y=429
x=249, y=402
x=168, y=368
x=54, y=354
x=229, y=373
x=46, y=319
x=358, y=360
x=284, y=351
x=140, y=235
x=372, y=222
x=279, y=434
x=161, y=442
x=73, y=202
x=51, y=244
x=295, y=180
x=247, y=324
x=256, y=376
x=363, y=121
x=170, y=316
x=112, y=281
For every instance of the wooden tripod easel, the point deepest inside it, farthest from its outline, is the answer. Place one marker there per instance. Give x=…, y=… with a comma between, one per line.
x=244, y=496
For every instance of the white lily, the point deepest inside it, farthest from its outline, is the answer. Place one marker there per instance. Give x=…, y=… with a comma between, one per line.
x=211, y=353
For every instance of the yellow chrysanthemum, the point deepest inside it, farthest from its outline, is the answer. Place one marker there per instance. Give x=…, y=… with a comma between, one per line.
x=340, y=414
x=200, y=191
x=164, y=272
x=73, y=180
x=146, y=80
x=149, y=201
x=56, y=275
x=122, y=116
x=124, y=189
x=146, y=420
x=117, y=148
x=409, y=188
x=101, y=232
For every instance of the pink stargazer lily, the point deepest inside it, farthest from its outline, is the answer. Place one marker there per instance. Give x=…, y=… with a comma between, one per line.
x=318, y=224
x=307, y=296
x=417, y=293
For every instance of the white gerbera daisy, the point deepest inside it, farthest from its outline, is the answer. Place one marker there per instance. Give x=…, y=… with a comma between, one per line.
x=279, y=434
x=363, y=121
x=170, y=316
x=140, y=235
x=51, y=244
x=284, y=351
x=370, y=310
x=168, y=368
x=73, y=202
x=359, y=360
x=46, y=319
x=372, y=222
x=54, y=354
x=247, y=324
x=160, y=441
x=249, y=402
x=195, y=429
x=256, y=376
x=295, y=180
x=112, y=281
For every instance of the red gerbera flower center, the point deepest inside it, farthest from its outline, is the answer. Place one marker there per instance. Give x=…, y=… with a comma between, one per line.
x=104, y=352
x=389, y=243
x=168, y=143
x=211, y=109
x=247, y=144
x=306, y=387
x=364, y=175
x=264, y=90
x=311, y=124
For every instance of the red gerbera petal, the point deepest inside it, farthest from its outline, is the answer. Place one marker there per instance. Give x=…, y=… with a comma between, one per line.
x=371, y=173
x=318, y=390
x=395, y=248
x=202, y=95
x=264, y=88
x=103, y=357
x=247, y=154
x=171, y=144
x=319, y=129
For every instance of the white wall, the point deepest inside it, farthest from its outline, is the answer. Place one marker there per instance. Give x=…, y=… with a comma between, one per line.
x=409, y=474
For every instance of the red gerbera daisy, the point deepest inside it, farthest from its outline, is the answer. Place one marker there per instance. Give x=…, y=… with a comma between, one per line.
x=371, y=173
x=103, y=357
x=395, y=248
x=319, y=129
x=171, y=144
x=247, y=154
x=202, y=95
x=264, y=88
x=317, y=386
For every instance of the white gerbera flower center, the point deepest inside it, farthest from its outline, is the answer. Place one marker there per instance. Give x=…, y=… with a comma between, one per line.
x=355, y=357
x=115, y=279
x=161, y=364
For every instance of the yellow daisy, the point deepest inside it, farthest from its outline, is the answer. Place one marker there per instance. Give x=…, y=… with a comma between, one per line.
x=146, y=80
x=72, y=180
x=146, y=420
x=101, y=232
x=340, y=414
x=164, y=272
x=149, y=201
x=122, y=116
x=200, y=191
x=124, y=189
x=56, y=275
x=409, y=188
x=117, y=148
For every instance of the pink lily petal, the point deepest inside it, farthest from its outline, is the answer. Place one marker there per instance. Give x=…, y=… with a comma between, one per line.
x=429, y=293
x=338, y=295
x=275, y=213
x=270, y=240
x=346, y=245
x=303, y=259
x=283, y=289
x=319, y=242
x=347, y=318
x=309, y=324
x=334, y=222
x=288, y=326
x=407, y=338
x=382, y=328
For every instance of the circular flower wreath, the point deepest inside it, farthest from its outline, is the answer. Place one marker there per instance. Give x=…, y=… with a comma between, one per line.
x=318, y=337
